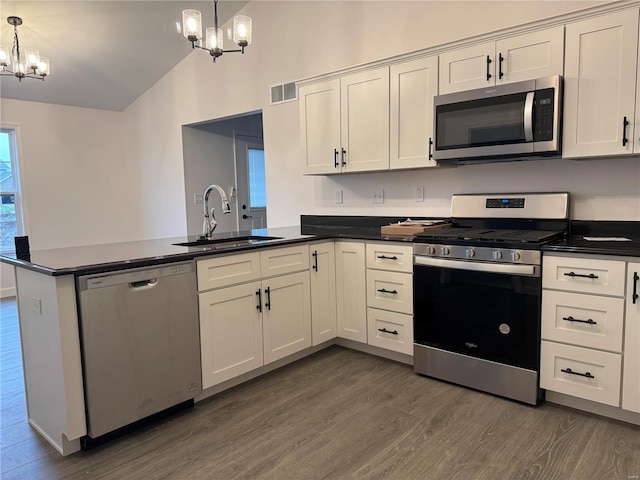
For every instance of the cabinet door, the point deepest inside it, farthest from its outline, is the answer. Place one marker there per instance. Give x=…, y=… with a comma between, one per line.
x=351, y=294
x=230, y=332
x=286, y=315
x=413, y=86
x=600, y=85
x=364, y=109
x=323, y=293
x=467, y=68
x=320, y=126
x=530, y=56
x=631, y=354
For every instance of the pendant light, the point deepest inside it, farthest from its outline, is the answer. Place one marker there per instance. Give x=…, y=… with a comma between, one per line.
x=15, y=63
x=192, y=30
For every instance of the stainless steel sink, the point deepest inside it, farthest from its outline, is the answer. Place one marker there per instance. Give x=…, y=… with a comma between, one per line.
x=219, y=243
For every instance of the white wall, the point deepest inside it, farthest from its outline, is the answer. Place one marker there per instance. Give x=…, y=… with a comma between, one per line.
x=95, y=176
x=293, y=40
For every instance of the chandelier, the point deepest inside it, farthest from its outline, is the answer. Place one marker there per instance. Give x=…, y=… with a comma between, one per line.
x=31, y=65
x=192, y=30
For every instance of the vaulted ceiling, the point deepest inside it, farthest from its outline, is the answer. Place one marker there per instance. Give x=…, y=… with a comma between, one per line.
x=104, y=54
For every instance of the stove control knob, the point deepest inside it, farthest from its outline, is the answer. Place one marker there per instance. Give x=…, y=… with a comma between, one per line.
x=515, y=256
x=431, y=250
x=445, y=251
x=497, y=255
x=469, y=252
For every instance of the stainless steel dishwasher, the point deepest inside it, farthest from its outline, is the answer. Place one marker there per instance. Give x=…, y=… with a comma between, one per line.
x=140, y=343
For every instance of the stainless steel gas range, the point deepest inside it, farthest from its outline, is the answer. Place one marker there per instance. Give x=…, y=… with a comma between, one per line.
x=477, y=292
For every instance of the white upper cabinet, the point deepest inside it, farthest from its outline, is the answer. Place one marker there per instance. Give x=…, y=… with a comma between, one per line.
x=344, y=123
x=523, y=57
x=413, y=86
x=320, y=126
x=364, y=102
x=467, y=68
x=600, y=86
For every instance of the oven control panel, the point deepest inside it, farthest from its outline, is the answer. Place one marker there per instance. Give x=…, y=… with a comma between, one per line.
x=478, y=254
x=505, y=202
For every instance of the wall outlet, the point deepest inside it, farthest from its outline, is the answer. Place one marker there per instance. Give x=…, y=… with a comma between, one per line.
x=419, y=194
x=198, y=199
x=339, y=196
x=377, y=196
x=36, y=305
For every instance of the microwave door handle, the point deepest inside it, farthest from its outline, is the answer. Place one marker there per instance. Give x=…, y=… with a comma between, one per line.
x=528, y=117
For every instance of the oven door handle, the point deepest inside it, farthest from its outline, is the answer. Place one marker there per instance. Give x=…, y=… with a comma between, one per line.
x=507, y=269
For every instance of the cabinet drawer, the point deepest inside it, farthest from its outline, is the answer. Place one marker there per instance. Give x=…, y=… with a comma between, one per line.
x=228, y=270
x=564, y=316
x=284, y=260
x=385, y=256
x=390, y=291
x=390, y=330
x=605, y=368
x=584, y=275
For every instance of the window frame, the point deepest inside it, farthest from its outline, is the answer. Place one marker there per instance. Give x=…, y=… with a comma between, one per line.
x=16, y=173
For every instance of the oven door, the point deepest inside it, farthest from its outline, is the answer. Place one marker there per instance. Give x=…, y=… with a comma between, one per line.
x=483, y=310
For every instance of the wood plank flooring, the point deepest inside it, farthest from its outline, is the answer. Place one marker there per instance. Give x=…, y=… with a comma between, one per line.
x=338, y=414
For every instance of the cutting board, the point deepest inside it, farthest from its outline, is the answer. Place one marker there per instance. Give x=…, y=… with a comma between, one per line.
x=409, y=230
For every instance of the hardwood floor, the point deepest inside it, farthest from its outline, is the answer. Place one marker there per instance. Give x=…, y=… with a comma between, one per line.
x=338, y=414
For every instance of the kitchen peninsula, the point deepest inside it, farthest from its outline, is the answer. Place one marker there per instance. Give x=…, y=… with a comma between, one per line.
x=48, y=302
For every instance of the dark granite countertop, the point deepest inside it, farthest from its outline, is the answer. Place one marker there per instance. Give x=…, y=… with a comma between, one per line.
x=577, y=243
x=117, y=256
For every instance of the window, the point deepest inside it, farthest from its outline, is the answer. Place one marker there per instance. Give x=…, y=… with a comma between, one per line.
x=11, y=223
x=257, y=189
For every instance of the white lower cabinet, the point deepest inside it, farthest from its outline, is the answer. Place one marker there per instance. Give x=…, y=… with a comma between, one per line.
x=286, y=315
x=390, y=296
x=244, y=326
x=351, y=294
x=324, y=324
x=581, y=372
x=631, y=364
x=390, y=330
x=230, y=332
x=591, y=329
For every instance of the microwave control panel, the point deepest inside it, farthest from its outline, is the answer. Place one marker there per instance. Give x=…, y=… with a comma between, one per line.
x=543, y=117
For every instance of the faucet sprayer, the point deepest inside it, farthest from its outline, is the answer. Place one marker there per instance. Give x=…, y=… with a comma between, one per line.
x=209, y=222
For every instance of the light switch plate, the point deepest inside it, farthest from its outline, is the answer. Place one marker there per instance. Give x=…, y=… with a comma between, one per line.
x=419, y=194
x=339, y=196
x=36, y=304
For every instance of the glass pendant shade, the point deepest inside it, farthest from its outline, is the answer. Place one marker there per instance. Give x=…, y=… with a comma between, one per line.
x=31, y=58
x=242, y=30
x=192, y=25
x=5, y=57
x=214, y=39
x=44, y=68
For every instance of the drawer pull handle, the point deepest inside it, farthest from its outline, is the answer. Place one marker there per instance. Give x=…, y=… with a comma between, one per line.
x=384, y=257
x=571, y=372
x=635, y=287
x=384, y=330
x=574, y=274
x=571, y=319
x=392, y=292
x=315, y=260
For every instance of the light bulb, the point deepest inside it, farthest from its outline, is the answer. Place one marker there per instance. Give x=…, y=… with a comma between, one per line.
x=192, y=25
x=32, y=58
x=4, y=56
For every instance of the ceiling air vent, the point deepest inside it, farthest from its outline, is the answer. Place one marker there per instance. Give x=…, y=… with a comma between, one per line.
x=285, y=92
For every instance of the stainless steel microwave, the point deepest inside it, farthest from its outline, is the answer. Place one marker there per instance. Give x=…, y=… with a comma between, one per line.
x=513, y=121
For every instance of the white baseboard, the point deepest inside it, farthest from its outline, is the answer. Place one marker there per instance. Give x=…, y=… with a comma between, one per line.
x=7, y=292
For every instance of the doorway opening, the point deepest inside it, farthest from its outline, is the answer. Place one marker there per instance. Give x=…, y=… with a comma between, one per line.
x=228, y=152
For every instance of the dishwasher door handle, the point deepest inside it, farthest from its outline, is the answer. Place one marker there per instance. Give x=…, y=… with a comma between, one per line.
x=144, y=284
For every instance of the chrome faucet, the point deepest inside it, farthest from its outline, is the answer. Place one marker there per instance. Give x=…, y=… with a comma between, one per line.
x=209, y=222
